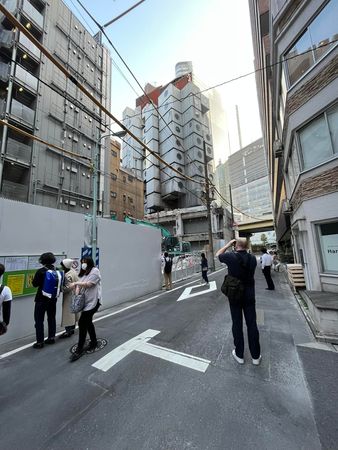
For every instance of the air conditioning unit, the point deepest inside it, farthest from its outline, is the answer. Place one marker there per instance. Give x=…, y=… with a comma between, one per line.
x=278, y=148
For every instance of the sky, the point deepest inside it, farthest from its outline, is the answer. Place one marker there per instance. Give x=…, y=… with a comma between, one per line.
x=214, y=34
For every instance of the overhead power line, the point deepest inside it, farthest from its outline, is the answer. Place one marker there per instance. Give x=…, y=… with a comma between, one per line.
x=68, y=74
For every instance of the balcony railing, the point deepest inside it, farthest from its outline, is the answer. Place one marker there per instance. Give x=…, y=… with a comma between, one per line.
x=22, y=113
x=25, y=42
x=14, y=191
x=21, y=152
x=26, y=78
x=4, y=72
x=10, y=5
x=32, y=13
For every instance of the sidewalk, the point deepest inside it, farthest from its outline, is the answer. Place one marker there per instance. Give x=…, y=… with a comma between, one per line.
x=292, y=357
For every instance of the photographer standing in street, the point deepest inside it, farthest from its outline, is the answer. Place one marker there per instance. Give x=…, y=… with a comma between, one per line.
x=241, y=270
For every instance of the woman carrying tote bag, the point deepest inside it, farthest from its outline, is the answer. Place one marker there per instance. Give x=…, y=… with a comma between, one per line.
x=90, y=282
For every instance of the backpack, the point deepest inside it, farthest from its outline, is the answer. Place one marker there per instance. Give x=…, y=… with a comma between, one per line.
x=52, y=283
x=168, y=265
x=233, y=287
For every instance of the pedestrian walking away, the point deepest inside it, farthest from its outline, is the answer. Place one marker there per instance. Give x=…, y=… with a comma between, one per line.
x=241, y=270
x=90, y=283
x=68, y=320
x=49, y=282
x=205, y=268
x=5, y=304
x=266, y=262
x=168, y=264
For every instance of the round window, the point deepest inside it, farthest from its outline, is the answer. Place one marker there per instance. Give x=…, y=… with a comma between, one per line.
x=178, y=143
x=199, y=141
x=200, y=169
x=177, y=116
x=208, y=137
x=178, y=129
x=209, y=150
x=180, y=184
x=199, y=153
x=180, y=169
x=179, y=156
x=198, y=127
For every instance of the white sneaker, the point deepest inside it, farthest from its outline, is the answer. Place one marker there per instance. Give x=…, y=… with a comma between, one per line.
x=256, y=362
x=236, y=358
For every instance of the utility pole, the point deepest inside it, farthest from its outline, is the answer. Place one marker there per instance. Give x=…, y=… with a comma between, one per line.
x=207, y=196
x=232, y=214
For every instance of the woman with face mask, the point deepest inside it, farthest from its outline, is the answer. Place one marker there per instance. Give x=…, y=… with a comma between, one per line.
x=68, y=319
x=90, y=281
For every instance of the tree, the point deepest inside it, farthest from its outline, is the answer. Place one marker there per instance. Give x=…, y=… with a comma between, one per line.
x=264, y=240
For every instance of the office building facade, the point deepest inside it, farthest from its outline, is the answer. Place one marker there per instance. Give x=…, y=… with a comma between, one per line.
x=38, y=99
x=126, y=189
x=296, y=43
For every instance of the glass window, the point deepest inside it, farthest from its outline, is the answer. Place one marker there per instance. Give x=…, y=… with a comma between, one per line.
x=298, y=63
x=316, y=40
x=315, y=142
x=332, y=117
x=324, y=29
x=328, y=236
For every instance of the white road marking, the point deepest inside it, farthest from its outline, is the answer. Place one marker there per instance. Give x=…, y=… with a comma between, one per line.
x=24, y=347
x=187, y=292
x=140, y=344
x=192, y=362
x=115, y=356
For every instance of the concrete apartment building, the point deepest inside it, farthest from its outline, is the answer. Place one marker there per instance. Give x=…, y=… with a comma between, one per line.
x=126, y=189
x=37, y=98
x=176, y=132
x=296, y=42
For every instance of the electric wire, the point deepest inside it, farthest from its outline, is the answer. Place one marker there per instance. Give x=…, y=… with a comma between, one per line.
x=69, y=75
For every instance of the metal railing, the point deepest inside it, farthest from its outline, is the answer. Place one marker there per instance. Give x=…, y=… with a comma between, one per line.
x=26, y=78
x=22, y=112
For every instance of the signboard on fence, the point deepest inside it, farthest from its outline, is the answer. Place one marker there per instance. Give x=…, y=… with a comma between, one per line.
x=20, y=272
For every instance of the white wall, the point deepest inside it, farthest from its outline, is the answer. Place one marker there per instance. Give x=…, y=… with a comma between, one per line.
x=129, y=254
x=312, y=211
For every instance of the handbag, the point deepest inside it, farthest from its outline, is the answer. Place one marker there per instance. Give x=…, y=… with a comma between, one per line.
x=78, y=301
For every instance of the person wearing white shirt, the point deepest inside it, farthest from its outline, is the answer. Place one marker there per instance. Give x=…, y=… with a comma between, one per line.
x=266, y=261
x=5, y=304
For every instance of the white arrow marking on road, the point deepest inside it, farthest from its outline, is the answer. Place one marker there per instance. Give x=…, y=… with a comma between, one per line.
x=187, y=292
x=140, y=344
x=113, y=357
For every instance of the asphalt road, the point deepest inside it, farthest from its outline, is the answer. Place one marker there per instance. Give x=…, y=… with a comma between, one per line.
x=144, y=402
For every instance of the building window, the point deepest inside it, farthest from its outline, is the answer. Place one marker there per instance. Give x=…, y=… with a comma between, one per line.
x=319, y=139
x=178, y=129
x=328, y=239
x=114, y=153
x=317, y=40
x=179, y=156
x=113, y=194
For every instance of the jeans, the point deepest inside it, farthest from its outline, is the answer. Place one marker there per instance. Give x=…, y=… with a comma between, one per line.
x=205, y=276
x=49, y=307
x=267, y=274
x=249, y=311
x=86, y=324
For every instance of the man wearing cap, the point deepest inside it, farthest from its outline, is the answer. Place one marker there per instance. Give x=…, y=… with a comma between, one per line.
x=68, y=319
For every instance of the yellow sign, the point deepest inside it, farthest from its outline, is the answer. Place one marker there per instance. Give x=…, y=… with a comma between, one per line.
x=16, y=283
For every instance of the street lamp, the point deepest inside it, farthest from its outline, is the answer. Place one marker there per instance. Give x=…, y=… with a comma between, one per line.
x=95, y=176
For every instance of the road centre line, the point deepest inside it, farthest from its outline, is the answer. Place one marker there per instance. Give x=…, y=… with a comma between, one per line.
x=24, y=347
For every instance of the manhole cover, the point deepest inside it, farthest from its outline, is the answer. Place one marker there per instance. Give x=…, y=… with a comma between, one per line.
x=101, y=343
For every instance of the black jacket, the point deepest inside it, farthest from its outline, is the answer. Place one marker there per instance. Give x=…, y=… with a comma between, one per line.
x=38, y=280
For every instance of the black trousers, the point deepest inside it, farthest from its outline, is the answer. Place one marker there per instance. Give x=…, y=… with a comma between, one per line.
x=251, y=324
x=205, y=276
x=267, y=274
x=86, y=325
x=41, y=308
